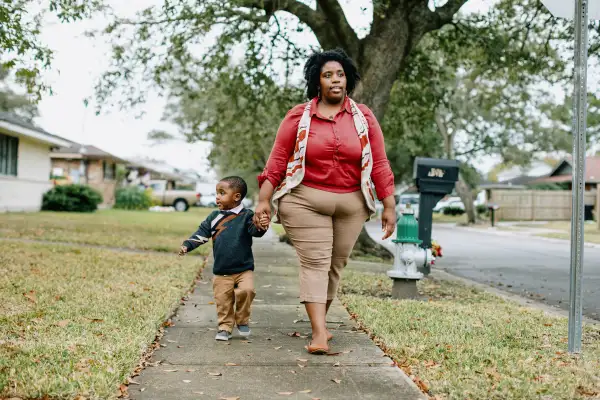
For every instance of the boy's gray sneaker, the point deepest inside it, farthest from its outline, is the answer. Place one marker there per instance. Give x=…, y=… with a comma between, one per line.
x=223, y=336
x=243, y=330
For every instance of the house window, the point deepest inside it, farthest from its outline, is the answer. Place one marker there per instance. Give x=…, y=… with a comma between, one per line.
x=110, y=170
x=9, y=151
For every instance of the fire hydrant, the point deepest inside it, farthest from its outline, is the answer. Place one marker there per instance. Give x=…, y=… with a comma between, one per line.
x=408, y=257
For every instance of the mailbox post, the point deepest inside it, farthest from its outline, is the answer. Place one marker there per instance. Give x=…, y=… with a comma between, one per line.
x=434, y=178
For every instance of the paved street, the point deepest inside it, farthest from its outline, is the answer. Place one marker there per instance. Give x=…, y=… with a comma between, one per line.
x=527, y=266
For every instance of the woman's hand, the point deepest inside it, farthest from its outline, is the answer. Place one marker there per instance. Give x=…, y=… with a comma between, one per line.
x=388, y=222
x=262, y=213
x=388, y=217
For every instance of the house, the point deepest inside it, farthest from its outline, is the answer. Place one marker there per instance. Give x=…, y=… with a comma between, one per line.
x=87, y=165
x=24, y=163
x=562, y=173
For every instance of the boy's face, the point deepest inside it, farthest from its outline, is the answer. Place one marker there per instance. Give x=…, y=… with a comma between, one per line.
x=227, y=198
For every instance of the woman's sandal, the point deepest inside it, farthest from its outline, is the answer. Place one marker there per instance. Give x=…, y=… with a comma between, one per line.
x=317, y=350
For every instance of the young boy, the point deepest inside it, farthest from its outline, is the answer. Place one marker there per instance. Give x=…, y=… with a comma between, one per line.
x=231, y=229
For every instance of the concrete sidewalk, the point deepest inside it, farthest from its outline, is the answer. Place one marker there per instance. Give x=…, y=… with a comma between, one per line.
x=273, y=364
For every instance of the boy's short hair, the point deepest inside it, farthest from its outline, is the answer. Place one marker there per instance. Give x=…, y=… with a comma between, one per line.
x=238, y=184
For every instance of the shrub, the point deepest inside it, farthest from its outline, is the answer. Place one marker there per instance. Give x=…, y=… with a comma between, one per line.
x=71, y=198
x=453, y=211
x=133, y=198
x=482, y=209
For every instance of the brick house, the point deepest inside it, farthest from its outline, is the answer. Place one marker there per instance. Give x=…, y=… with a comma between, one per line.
x=87, y=165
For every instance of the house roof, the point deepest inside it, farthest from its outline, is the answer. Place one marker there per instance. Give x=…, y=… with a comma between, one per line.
x=592, y=172
x=84, y=151
x=12, y=123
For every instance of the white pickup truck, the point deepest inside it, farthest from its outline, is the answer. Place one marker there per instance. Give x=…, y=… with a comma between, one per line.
x=166, y=194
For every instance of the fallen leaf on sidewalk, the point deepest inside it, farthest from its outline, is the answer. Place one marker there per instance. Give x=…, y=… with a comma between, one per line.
x=171, y=341
x=422, y=385
x=142, y=389
x=215, y=374
x=337, y=364
x=229, y=398
x=231, y=364
x=305, y=391
x=296, y=321
x=279, y=294
x=293, y=372
x=302, y=359
x=246, y=341
x=294, y=334
x=211, y=302
x=190, y=370
x=301, y=366
x=338, y=381
x=132, y=382
x=198, y=392
x=278, y=347
x=285, y=393
x=170, y=370
x=266, y=286
x=334, y=354
x=186, y=381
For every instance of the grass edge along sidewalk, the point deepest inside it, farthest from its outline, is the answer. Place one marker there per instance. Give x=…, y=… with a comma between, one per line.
x=464, y=343
x=77, y=322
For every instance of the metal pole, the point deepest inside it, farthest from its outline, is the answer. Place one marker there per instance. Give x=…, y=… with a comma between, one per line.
x=578, y=186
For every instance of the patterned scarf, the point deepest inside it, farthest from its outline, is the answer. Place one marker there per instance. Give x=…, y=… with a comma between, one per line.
x=295, y=167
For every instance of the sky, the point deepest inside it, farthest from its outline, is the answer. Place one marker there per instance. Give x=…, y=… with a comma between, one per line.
x=78, y=63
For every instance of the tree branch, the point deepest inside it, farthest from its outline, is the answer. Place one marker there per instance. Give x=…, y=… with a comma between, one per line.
x=316, y=20
x=343, y=31
x=443, y=15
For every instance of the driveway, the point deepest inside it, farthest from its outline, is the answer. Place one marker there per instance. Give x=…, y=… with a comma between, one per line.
x=528, y=266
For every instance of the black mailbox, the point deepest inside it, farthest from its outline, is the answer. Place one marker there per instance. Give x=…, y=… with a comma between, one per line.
x=435, y=178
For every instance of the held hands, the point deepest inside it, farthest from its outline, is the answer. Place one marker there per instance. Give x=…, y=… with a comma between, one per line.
x=388, y=222
x=262, y=215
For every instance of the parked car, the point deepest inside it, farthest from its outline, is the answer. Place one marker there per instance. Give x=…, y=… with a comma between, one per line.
x=166, y=194
x=210, y=200
x=449, y=202
x=404, y=201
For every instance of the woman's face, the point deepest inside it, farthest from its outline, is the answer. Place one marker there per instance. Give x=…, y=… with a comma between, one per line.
x=333, y=82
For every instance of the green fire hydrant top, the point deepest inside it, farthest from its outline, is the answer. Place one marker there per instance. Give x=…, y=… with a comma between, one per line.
x=407, y=230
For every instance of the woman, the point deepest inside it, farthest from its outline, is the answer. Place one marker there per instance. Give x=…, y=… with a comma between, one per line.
x=319, y=183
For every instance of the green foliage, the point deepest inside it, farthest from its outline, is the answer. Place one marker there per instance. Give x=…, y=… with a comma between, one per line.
x=71, y=198
x=133, y=198
x=453, y=211
x=482, y=209
x=21, y=49
x=15, y=103
x=549, y=186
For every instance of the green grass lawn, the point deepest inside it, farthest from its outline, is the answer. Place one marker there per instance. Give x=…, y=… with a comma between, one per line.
x=591, y=232
x=142, y=230
x=76, y=321
x=441, y=218
x=467, y=344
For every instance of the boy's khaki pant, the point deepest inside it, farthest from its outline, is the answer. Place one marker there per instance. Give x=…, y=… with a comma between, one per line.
x=230, y=290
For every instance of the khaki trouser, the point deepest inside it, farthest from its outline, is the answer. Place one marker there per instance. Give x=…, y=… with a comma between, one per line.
x=233, y=289
x=323, y=227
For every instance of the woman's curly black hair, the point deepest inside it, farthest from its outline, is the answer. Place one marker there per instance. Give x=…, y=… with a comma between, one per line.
x=312, y=70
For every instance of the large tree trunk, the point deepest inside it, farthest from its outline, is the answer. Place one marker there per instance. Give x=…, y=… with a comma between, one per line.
x=466, y=195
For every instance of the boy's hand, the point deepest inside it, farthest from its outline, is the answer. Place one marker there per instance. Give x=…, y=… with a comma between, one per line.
x=264, y=222
x=182, y=251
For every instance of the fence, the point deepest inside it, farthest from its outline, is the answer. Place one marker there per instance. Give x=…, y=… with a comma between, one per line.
x=536, y=205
